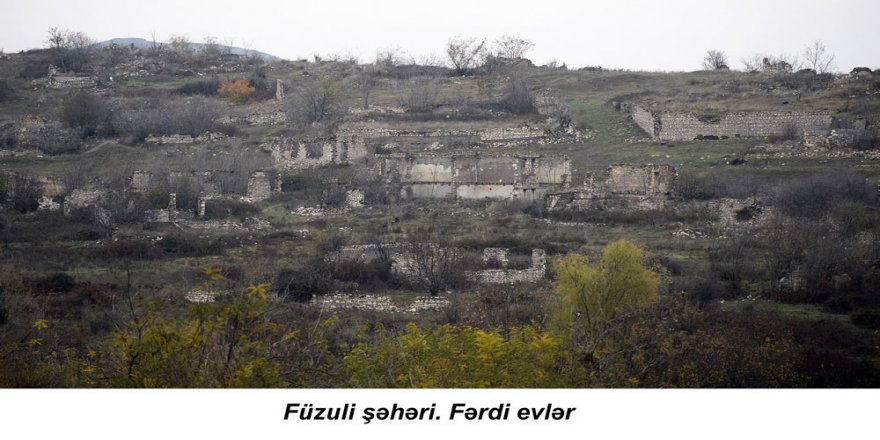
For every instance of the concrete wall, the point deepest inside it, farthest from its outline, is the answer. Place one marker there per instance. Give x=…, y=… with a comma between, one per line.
x=475, y=177
x=680, y=126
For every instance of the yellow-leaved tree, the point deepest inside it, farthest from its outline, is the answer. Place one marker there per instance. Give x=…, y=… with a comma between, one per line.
x=592, y=294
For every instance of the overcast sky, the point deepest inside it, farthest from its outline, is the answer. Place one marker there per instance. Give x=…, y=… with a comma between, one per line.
x=635, y=34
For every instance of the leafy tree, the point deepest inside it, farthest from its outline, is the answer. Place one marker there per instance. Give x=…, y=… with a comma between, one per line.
x=592, y=294
x=456, y=356
x=236, y=92
x=214, y=345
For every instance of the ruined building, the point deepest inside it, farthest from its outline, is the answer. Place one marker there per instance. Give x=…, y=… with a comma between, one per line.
x=527, y=177
x=685, y=126
x=624, y=186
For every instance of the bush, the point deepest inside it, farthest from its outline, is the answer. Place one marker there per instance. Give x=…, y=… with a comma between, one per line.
x=422, y=95
x=303, y=284
x=5, y=90
x=25, y=195
x=517, y=97
x=205, y=87
x=314, y=102
x=191, y=116
x=815, y=195
x=59, y=282
x=225, y=208
x=87, y=113
x=869, y=318
x=236, y=92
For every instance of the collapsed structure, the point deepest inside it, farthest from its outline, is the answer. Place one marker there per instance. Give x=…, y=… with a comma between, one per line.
x=625, y=186
x=472, y=176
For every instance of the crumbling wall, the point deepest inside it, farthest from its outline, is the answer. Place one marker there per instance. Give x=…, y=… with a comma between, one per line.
x=624, y=187
x=63, y=81
x=295, y=154
x=640, y=179
x=259, y=186
x=475, y=176
x=484, y=137
x=681, y=126
x=533, y=274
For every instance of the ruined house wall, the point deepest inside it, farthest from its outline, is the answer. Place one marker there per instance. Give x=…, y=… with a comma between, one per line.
x=640, y=179
x=489, y=136
x=625, y=187
x=680, y=126
x=294, y=154
x=644, y=119
x=475, y=177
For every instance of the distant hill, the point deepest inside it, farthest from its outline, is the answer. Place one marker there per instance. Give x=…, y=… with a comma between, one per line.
x=142, y=43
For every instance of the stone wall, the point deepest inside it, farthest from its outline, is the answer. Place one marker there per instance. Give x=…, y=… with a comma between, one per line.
x=681, y=126
x=475, y=176
x=624, y=187
x=295, y=154
x=533, y=274
x=259, y=186
x=380, y=303
x=640, y=179
x=405, y=140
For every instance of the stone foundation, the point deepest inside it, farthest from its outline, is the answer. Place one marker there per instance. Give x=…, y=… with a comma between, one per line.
x=680, y=126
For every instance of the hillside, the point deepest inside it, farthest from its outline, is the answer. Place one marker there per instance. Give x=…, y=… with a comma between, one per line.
x=341, y=211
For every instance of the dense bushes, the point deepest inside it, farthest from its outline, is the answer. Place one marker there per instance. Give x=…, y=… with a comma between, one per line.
x=192, y=116
x=205, y=87
x=813, y=196
x=224, y=208
x=86, y=113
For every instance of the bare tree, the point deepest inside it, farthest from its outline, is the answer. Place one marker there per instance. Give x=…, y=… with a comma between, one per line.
x=715, y=60
x=389, y=57
x=517, y=97
x=512, y=47
x=313, y=102
x=70, y=49
x=432, y=266
x=155, y=46
x=465, y=53
x=367, y=82
x=817, y=57
x=210, y=48
x=422, y=95
x=752, y=63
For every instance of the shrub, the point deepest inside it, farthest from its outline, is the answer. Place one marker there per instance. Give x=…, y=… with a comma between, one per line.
x=517, y=97
x=314, y=102
x=422, y=96
x=191, y=116
x=869, y=318
x=815, y=195
x=59, y=282
x=303, y=284
x=236, y=92
x=205, y=87
x=25, y=194
x=225, y=208
x=5, y=90
x=87, y=113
